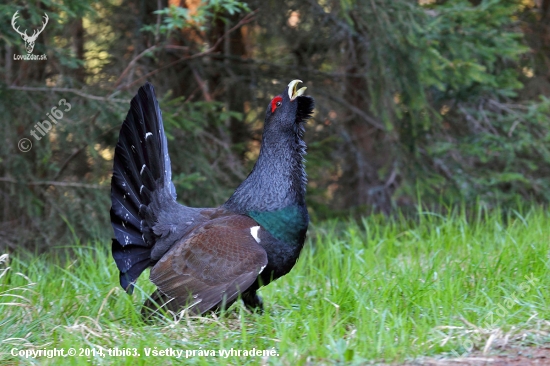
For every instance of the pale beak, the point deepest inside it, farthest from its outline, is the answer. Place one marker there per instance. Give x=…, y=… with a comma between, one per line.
x=292, y=92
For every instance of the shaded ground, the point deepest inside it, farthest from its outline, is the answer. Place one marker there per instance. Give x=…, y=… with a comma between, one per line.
x=512, y=356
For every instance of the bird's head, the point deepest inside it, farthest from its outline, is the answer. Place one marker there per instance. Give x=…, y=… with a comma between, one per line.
x=278, y=179
x=287, y=112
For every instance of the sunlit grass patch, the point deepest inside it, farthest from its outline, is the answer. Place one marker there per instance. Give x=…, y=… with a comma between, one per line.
x=376, y=290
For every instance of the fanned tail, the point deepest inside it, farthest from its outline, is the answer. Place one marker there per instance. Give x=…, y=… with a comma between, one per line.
x=141, y=181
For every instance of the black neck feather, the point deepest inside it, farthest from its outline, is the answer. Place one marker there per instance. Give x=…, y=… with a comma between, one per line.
x=278, y=178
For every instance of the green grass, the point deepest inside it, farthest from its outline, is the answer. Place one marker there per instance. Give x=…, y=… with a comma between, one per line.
x=378, y=290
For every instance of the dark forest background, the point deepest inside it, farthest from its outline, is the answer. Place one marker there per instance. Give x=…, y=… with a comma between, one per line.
x=441, y=103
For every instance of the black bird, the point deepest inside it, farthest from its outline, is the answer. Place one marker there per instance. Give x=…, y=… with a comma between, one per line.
x=203, y=258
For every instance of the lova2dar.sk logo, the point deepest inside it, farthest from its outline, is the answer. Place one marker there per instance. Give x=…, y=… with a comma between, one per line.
x=29, y=40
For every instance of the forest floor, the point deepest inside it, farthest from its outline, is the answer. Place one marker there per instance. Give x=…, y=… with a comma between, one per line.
x=515, y=356
x=435, y=290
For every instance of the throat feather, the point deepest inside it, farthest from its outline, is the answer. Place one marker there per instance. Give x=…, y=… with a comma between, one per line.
x=278, y=179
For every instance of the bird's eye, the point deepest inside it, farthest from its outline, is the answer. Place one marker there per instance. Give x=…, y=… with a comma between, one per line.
x=276, y=102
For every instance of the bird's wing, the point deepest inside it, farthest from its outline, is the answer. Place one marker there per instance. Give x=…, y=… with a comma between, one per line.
x=211, y=266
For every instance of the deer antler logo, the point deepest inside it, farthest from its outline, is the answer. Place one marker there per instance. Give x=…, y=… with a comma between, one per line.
x=29, y=40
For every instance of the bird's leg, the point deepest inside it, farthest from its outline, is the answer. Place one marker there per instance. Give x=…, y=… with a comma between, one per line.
x=253, y=301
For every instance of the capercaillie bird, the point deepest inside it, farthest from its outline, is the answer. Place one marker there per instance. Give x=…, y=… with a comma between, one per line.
x=205, y=258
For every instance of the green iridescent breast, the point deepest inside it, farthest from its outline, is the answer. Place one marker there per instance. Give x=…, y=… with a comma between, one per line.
x=286, y=224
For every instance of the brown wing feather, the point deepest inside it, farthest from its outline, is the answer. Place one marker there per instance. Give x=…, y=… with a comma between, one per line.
x=209, y=267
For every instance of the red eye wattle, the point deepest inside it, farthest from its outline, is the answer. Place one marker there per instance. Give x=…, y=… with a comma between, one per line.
x=276, y=102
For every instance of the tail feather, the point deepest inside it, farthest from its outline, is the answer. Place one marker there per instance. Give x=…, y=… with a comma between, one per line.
x=141, y=176
x=132, y=260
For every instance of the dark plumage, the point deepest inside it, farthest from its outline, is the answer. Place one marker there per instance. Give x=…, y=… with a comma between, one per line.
x=203, y=258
